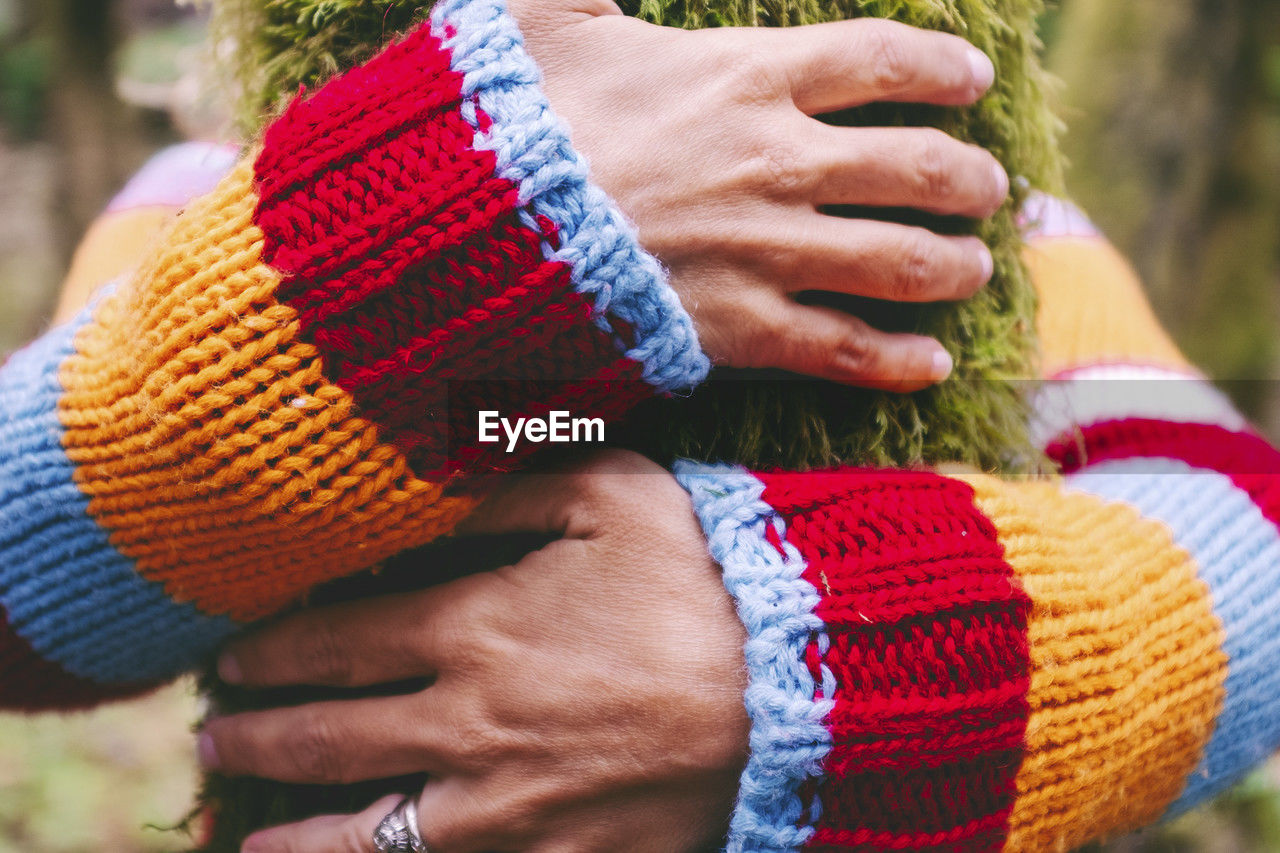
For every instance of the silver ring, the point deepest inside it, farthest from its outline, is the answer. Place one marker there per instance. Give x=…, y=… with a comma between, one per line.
x=398, y=832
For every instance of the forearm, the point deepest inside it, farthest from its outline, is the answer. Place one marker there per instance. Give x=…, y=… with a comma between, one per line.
x=953, y=660
x=287, y=390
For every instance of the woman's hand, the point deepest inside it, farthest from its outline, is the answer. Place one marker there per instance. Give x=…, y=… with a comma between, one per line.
x=589, y=698
x=707, y=140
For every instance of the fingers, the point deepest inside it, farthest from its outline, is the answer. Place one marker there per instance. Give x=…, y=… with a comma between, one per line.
x=920, y=168
x=452, y=816
x=555, y=502
x=835, y=346
x=450, y=820
x=330, y=742
x=850, y=63
x=880, y=260
x=533, y=503
x=327, y=834
x=380, y=640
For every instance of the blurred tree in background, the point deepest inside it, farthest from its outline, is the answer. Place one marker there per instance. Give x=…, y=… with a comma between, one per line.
x=1174, y=115
x=1173, y=108
x=97, y=139
x=68, y=140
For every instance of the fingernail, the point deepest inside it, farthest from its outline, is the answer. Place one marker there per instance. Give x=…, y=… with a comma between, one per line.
x=1002, y=180
x=206, y=752
x=985, y=260
x=984, y=72
x=942, y=365
x=229, y=669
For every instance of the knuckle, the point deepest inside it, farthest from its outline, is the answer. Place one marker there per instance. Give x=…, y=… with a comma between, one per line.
x=916, y=270
x=325, y=656
x=888, y=60
x=853, y=353
x=780, y=165
x=479, y=743
x=773, y=165
x=935, y=174
x=772, y=340
x=754, y=78
x=589, y=494
x=316, y=756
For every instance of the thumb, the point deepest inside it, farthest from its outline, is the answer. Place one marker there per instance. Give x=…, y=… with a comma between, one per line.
x=540, y=20
x=525, y=503
x=569, y=502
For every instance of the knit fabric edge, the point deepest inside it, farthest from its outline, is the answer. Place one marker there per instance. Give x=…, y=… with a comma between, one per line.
x=788, y=709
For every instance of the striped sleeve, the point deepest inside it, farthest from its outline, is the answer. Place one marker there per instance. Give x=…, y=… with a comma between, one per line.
x=288, y=389
x=951, y=661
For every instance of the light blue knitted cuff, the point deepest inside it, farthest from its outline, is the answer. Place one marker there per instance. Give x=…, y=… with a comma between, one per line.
x=776, y=604
x=625, y=284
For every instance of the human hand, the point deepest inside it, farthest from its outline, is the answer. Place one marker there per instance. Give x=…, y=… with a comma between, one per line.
x=588, y=698
x=707, y=140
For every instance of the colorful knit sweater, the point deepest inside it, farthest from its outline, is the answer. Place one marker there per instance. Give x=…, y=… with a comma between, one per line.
x=288, y=389
x=949, y=661
x=938, y=660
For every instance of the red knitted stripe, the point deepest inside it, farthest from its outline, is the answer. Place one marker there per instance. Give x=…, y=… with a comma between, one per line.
x=927, y=645
x=406, y=256
x=1250, y=462
x=28, y=682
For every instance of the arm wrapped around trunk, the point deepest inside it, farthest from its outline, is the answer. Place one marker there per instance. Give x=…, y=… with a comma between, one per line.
x=943, y=660
x=287, y=390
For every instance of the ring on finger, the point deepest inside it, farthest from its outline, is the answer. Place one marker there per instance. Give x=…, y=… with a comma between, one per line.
x=398, y=832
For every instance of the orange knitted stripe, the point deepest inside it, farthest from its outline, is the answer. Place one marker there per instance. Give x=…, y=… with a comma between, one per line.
x=1072, y=275
x=1127, y=663
x=210, y=443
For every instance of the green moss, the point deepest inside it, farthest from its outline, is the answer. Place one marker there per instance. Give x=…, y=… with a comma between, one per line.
x=977, y=417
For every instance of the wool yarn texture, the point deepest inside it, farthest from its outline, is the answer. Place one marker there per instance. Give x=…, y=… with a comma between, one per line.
x=945, y=660
x=286, y=391
x=938, y=658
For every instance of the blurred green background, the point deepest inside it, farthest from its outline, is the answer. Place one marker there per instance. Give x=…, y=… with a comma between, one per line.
x=1173, y=109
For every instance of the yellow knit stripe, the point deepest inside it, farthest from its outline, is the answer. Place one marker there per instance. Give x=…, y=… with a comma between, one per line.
x=210, y=443
x=1127, y=663
x=1073, y=277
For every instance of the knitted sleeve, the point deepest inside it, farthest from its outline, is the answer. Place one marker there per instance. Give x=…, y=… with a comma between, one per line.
x=288, y=389
x=949, y=661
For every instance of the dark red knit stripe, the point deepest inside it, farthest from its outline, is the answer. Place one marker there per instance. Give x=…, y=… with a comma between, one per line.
x=414, y=272
x=1250, y=462
x=927, y=644
x=440, y=298
x=987, y=832
x=28, y=682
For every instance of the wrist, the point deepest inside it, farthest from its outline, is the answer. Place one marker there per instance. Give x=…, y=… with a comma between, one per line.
x=785, y=702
